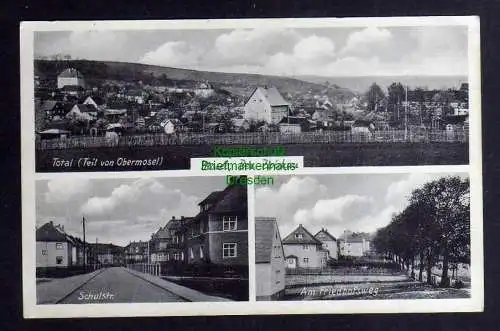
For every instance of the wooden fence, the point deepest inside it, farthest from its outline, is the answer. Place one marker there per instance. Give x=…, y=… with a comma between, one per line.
x=256, y=138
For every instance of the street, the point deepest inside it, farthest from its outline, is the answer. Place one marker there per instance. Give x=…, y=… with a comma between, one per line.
x=117, y=285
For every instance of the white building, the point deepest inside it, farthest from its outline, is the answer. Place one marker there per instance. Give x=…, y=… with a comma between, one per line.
x=269, y=259
x=354, y=244
x=302, y=250
x=266, y=104
x=54, y=248
x=70, y=77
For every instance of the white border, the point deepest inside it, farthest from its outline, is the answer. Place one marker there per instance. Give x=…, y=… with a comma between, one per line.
x=28, y=177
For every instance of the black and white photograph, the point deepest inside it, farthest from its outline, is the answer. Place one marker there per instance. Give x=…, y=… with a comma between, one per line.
x=141, y=240
x=365, y=95
x=363, y=237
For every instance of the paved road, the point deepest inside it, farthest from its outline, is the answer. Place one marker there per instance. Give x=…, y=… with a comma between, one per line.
x=117, y=285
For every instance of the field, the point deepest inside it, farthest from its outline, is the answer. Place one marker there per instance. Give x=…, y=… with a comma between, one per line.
x=315, y=155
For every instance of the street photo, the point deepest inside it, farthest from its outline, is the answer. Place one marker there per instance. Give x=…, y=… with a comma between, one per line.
x=364, y=237
x=141, y=240
x=112, y=99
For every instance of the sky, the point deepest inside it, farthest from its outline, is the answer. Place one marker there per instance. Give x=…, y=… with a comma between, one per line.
x=119, y=210
x=355, y=202
x=364, y=51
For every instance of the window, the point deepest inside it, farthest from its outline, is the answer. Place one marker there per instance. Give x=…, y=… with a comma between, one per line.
x=59, y=246
x=59, y=259
x=229, y=250
x=305, y=260
x=182, y=256
x=201, y=227
x=305, y=247
x=44, y=252
x=201, y=252
x=229, y=223
x=298, y=236
x=191, y=253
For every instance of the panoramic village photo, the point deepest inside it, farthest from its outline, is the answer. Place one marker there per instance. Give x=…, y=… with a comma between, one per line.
x=141, y=240
x=361, y=237
x=339, y=96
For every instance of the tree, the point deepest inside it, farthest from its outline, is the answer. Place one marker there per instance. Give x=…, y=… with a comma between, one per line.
x=435, y=224
x=374, y=96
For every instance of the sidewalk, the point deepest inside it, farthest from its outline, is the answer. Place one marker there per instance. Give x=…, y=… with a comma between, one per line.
x=55, y=290
x=184, y=292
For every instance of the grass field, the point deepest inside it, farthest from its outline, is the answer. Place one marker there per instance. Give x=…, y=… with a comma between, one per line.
x=315, y=155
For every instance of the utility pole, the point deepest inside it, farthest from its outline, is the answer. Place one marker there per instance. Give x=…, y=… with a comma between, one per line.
x=406, y=112
x=84, y=244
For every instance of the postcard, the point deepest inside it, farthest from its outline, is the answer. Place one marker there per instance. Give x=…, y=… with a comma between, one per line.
x=251, y=166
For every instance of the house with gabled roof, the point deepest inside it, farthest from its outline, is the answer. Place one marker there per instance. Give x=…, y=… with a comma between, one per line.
x=266, y=104
x=269, y=259
x=354, y=244
x=329, y=243
x=87, y=112
x=168, y=243
x=302, y=250
x=218, y=235
x=55, y=248
x=70, y=77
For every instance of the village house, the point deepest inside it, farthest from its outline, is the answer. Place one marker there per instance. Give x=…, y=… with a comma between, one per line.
x=52, y=109
x=169, y=243
x=302, y=250
x=296, y=124
x=269, y=260
x=266, y=104
x=240, y=125
x=98, y=102
x=107, y=254
x=70, y=77
x=362, y=126
x=218, y=235
x=81, y=111
x=55, y=248
x=171, y=126
x=137, y=252
x=352, y=244
x=329, y=243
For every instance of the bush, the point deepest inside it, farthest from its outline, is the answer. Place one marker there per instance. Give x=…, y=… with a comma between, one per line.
x=459, y=284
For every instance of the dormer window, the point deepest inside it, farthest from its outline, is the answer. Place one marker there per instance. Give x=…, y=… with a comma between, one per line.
x=299, y=236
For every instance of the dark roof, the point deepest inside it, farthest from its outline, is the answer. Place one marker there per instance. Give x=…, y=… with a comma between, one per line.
x=307, y=237
x=289, y=256
x=355, y=236
x=71, y=72
x=77, y=88
x=97, y=99
x=211, y=198
x=264, y=234
x=48, y=105
x=362, y=123
x=49, y=232
x=302, y=121
x=272, y=95
x=232, y=199
x=323, y=233
x=105, y=248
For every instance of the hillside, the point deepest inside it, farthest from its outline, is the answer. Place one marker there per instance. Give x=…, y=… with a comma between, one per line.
x=99, y=71
x=360, y=84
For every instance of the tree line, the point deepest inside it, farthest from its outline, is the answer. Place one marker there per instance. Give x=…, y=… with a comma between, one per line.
x=433, y=228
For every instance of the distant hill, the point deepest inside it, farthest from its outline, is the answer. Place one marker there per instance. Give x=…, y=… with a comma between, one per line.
x=95, y=71
x=361, y=84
